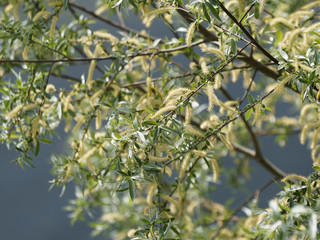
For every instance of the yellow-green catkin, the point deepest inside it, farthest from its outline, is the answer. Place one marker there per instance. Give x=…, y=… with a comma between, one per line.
x=195, y=131
x=282, y=20
x=41, y=14
x=226, y=141
x=315, y=138
x=151, y=191
x=189, y=33
x=215, y=170
x=304, y=110
x=203, y=65
x=158, y=159
x=216, y=51
x=217, y=82
x=294, y=177
x=184, y=164
x=163, y=110
x=25, y=52
x=53, y=25
x=149, y=16
x=98, y=119
x=305, y=131
x=257, y=113
x=314, y=154
x=176, y=94
x=200, y=153
x=261, y=7
x=210, y=97
x=188, y=114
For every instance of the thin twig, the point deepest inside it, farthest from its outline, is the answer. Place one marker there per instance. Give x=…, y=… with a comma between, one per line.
x=267, y=54
x=226, y=222
x=116, y=25
x=246, y=12
x=248, y=89
x=89, y=59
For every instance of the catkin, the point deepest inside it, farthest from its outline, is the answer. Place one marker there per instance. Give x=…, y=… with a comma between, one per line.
x=226, y=141
x=184, y=164
x=106, y=35
x=217, y=82
x=200, y=153
x=170, y=199
x=313, y=27
x=305, y=130
x=158, y=159
x=176, y=93
x=150, y=16
x=215, y=170
x=189, y=33
x=13, y=113
x=163, y=110
x=203, y=65
x=293, y=177
x=25, y=52
x=188, y=114
x=151, y=191
x=261, y=7
x=216, y=51
x=53, y=25
x=41, y=14
x=314, y=153
x=98, y=119
x=195, y=131
x=68, y=172
x=315, y=138
x=257, y=113
x=210, y=97
x=282, y=20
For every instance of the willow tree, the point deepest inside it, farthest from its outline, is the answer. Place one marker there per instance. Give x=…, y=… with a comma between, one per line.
x=150, y=119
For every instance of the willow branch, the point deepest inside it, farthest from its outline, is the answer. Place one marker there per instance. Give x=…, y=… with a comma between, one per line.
x=209, y=36
x=265, y=52
x=111, y=23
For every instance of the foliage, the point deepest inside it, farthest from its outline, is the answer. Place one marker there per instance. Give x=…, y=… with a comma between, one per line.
x=151, y=118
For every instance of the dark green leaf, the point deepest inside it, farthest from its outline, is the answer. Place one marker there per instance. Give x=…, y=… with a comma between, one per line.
x=65, y=4
x=37, y=148
x=45, y=140
x=133, y=3
x=131, y=189
x=214, y=2
x=205, y=12
x=27, y=161
x=148, y=123
x=138, y=160
x=251, y=98
x=213, y=11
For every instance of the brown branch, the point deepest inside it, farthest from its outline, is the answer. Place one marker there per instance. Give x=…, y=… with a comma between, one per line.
x=209, y=36
x=274, y=170
x=149, y=53
x=246, y=12
x=267, y=54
